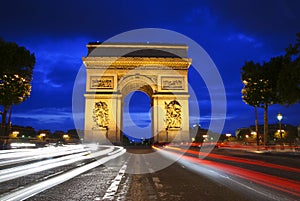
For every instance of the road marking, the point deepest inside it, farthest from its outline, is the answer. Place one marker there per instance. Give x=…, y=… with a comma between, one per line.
x=156, y=181
x=52, y=175
x=113, y=188
x=34, y=189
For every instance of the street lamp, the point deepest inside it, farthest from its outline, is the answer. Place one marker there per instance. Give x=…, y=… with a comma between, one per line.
x=204, y=138
x=43, y=135
x=15, y=133
x=279, y=117
x=66, y=136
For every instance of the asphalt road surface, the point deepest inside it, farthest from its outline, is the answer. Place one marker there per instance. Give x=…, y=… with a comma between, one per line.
x=173, y=173
x=159, y=177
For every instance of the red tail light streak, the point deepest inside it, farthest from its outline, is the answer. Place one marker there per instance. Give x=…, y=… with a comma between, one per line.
x=282, y=184
x=240, y=160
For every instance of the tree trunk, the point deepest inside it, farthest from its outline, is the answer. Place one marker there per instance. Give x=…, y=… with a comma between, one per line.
x=4, y=114
x=9, y=119
x=3, y=124
x=256, y=125
x=266, y=126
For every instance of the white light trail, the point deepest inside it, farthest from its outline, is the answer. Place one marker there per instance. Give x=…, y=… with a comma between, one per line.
x=19, y=171
x=34, y=189
x=33, y=154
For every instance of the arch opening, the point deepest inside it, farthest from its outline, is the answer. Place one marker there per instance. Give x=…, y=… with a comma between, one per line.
x=137, y=118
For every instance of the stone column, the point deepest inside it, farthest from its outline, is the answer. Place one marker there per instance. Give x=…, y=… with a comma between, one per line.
x=92, y=130
x=180, y=134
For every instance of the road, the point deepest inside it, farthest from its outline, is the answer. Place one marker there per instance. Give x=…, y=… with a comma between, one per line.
x=174, y=173
x=26, y=172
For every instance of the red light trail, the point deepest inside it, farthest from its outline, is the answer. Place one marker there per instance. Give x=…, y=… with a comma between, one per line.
x=240, y=160
x=282, y=184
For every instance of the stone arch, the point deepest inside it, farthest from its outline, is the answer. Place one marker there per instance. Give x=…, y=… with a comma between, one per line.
x=163, y=77
x=137, y=82
x=133, y=83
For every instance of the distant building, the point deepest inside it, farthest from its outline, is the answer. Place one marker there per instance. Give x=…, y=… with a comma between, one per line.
x=290, y=132
x=196, y=133
x=242, y=133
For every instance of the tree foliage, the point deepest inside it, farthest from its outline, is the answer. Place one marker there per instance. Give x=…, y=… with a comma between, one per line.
x=274, y=82
x=13, y=89
x=255, y=85
x=289, y=79
x=16, y=67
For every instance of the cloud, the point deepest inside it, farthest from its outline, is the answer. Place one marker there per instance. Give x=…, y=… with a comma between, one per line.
x=141, y=119
x=270, y=20
x=244, y=38
x=48, y=118
x=231, y=33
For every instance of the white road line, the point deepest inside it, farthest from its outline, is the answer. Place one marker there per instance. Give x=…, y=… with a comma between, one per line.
x=113, y=188
x=157, y=182
x=34, y=189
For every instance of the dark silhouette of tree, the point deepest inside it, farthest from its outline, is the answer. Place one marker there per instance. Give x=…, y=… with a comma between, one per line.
x=27, y=131
x=58, y=134
x=73, y=133
x=16, y=67
x=274, y=82
x=255, y=88
x=289, y=79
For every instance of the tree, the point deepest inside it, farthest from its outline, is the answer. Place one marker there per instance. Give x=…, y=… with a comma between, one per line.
x=274, y=82
x=27, y=131
x=255, y=89
x=16, y=67
x=289, y=79
x=260, y=88
x=58, y=134
x=73, y=133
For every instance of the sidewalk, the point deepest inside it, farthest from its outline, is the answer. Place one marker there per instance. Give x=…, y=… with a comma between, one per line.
x=292, y=151
x=276, y=149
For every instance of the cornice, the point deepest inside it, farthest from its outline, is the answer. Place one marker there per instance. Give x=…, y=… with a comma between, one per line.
x=133, y=62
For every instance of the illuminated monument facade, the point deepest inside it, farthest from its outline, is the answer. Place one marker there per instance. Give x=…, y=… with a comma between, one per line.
x=114, y=70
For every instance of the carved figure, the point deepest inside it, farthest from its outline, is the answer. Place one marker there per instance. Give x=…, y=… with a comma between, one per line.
x=100, y=114
x=173, y=114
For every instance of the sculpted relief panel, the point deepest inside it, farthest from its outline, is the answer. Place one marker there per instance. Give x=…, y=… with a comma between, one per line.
x=173, y=114
x=100, y=115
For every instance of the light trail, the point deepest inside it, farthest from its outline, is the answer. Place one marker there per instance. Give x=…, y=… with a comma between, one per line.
x=19, y=171
x=291, y=187
x=278, y=183
x=37, y=154
x=239, y=160
x=18, y=153
x=31, y=190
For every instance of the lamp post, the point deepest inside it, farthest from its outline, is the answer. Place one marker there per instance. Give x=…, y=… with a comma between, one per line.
x=279, y=117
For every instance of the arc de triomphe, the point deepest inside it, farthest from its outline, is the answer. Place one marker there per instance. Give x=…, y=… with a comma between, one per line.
x=114, y=70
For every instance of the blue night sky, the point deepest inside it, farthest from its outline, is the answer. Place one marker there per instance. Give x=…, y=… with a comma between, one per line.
x=231, y=32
